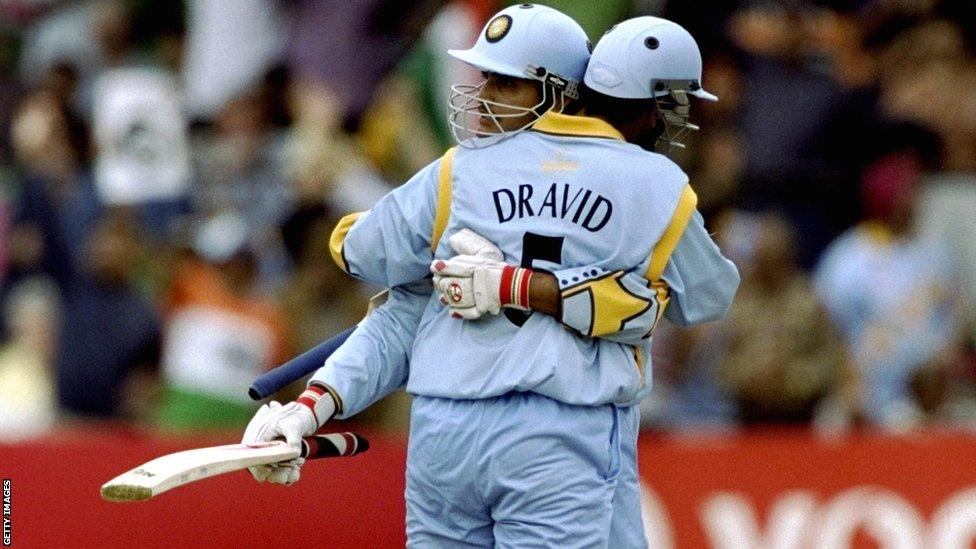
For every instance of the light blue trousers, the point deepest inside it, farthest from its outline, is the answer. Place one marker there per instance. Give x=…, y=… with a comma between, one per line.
x=522, y=470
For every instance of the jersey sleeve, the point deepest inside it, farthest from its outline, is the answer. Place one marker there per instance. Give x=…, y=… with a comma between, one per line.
x=700, y=280
x=620, y=306
x=393, y=243
x=373, y=362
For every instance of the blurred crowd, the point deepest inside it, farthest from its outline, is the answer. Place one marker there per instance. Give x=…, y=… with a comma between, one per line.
x=170, y=173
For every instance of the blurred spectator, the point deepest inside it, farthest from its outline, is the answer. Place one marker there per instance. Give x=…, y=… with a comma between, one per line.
x=780, y=74
x=229, y=48
x=57, y=204
x=318, y=300
x=687, y=393
x=892, y=293
x=64, y=35
x=86, y=37
x=773, y=359
x=140, y=139
x=28, y=402
x=220, y=332
x=946, y=205
x=346, y=48
x=781, y=355
x=241, y=168
x=405, y=125
x=324, y=162
x=717, y=169
x=110, y=330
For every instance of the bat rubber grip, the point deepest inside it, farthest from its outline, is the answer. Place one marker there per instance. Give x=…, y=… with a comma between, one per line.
x=333, y=445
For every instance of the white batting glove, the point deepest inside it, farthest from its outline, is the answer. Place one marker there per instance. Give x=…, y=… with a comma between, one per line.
x=469, y=285
x=468, y=242
x=292, y=421
x=468, y=295
x=472, y=286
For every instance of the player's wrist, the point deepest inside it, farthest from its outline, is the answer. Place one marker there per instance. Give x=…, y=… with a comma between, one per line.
x=319, y=400
x=513, y=288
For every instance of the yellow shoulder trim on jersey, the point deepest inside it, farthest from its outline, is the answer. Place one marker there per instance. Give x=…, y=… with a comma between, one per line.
x=442, y=209
x=669, y=240
x=582, y=126
x=339, y=237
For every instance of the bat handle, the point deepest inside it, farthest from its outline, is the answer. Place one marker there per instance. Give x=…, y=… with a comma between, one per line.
x=298, y=367
x=333, y=445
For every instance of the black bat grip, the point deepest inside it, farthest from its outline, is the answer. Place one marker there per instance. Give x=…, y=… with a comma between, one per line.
x=333, y=445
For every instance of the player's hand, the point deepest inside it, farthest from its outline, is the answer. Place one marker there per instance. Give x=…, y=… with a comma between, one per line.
x=468, y=242
x=274, y=421
x=454, y=278
x=469, y=285
x=472, y=286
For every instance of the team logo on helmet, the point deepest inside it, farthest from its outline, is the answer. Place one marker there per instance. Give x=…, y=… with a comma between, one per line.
x=498, y=28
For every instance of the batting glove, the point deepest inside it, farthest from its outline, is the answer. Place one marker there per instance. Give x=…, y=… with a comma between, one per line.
x=454, y=278
x=472, y=286
x=291, y=422
x=468, y=242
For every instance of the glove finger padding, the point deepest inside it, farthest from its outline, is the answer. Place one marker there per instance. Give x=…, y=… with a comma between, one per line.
x=456, y=266
x=468, y=242
x=260, y=472
x=273, y=421
x=286, y=473
x=251, y=436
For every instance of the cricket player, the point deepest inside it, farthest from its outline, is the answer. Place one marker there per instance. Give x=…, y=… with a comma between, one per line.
x=592, y=298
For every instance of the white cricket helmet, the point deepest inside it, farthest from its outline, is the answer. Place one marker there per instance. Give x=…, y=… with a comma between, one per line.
x=524, y=41
x=649, y=57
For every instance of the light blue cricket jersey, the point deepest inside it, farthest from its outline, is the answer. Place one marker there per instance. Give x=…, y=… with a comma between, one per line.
x=570, y=197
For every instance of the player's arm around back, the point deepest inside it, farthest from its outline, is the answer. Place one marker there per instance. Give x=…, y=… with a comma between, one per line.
x=392, y=244
x=685, y=278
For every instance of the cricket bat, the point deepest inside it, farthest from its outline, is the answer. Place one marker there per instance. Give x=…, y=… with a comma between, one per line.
x=172, y=470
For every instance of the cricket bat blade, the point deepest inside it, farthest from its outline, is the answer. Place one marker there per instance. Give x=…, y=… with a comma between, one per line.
x=173, y=470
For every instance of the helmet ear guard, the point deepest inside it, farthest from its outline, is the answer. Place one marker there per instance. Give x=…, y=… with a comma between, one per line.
x=567, y=86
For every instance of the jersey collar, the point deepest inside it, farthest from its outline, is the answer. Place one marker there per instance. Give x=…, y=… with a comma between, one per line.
x=579, y=126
